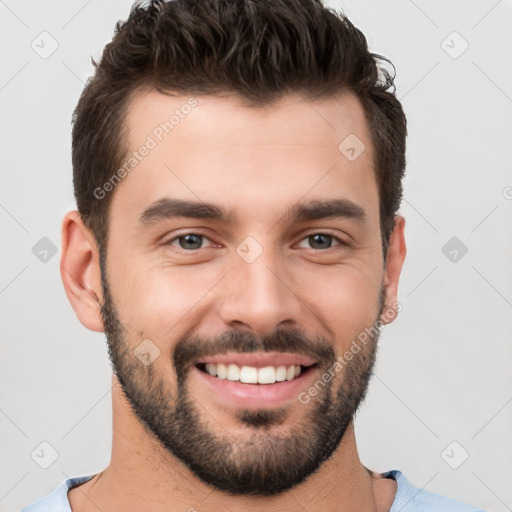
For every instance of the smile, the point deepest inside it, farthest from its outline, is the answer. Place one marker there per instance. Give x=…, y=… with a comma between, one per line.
x=257, y=379
x=252, y=374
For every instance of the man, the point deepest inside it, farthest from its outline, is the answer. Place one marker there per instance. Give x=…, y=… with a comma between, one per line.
x=253, y=130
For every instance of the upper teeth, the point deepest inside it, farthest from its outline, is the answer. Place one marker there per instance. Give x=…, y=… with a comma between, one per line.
x=252, y=375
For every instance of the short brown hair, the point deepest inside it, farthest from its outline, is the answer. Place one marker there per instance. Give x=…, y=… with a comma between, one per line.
x=258, y=50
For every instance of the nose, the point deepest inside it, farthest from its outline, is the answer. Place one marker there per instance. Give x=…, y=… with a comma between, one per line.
x=260, y=295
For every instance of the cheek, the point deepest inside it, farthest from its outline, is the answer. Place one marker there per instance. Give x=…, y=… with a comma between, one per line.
x=163, y=302
x=346, y=299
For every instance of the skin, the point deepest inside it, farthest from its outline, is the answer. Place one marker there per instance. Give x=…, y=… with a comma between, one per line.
x=247, y=160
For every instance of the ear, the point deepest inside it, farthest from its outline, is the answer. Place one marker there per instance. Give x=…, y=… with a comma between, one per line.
x=394, y=261
x=80, y=271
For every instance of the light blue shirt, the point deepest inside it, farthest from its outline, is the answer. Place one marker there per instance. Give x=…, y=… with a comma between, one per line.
x=407, y=499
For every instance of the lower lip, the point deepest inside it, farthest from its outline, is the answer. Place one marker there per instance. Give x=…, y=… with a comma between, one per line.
x=256, y=395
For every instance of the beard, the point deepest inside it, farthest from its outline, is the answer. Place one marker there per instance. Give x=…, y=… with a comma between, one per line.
x=273, y=458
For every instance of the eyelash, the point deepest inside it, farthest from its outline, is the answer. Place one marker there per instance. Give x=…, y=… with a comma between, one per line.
x=203, y=235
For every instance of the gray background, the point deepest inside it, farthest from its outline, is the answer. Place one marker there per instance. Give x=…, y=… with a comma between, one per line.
x=444, y=367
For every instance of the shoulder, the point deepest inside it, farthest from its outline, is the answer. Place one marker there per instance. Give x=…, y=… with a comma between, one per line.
x=413, y=499
x=57, y=501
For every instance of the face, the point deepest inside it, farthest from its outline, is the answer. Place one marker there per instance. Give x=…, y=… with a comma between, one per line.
x=244, y=258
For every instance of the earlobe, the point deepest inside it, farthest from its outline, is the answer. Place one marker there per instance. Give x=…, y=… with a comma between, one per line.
x=394, y=262
x=80, y=271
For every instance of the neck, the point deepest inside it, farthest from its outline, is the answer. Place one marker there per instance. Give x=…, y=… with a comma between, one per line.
x=143, y=475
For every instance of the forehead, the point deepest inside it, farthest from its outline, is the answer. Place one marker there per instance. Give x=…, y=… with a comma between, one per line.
x=293, y=120
x=216, y=149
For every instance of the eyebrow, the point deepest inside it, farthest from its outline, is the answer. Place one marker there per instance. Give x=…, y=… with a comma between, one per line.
x=168, y=208
x=334, y=208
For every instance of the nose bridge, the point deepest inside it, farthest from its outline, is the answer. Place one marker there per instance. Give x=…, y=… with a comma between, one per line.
x=258, y=294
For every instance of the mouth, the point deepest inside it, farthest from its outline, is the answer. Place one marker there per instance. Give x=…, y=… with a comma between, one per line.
x=255, y=380
x=252, y=374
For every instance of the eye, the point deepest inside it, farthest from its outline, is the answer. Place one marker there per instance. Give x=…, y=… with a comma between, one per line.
x=188, y=241
x=194, y=241
x=322, y=241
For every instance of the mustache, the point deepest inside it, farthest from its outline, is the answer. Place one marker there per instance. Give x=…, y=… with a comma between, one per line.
x=191, y=348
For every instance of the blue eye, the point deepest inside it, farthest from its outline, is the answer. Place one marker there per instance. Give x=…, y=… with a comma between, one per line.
x=322, y=240
x=194, y=241
x=189, y=241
